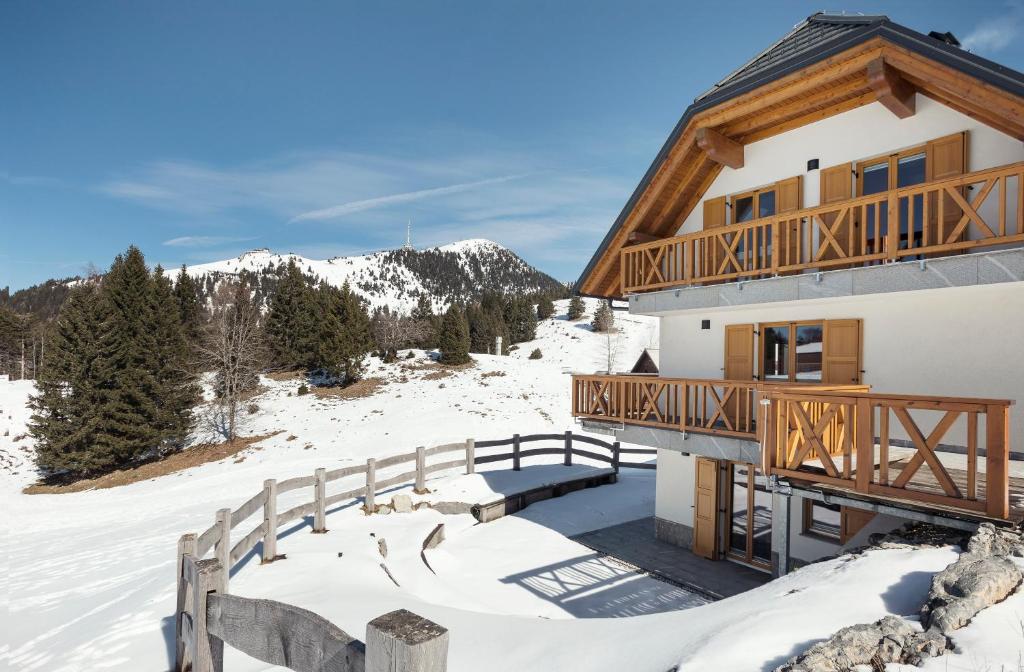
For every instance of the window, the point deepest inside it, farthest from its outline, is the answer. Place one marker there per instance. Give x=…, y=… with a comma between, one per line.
x=900, y=169
x=753, y=205
x=792, y=351
x=823, y=520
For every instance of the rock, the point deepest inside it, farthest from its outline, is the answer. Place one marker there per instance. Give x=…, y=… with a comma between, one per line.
x=989, y=540
x=967, y=586
x=422, y=505
x=382, y=546
x=890, y=640
x=401, y=503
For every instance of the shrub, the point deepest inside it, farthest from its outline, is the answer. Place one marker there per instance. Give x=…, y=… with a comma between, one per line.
x=536, y=354
x=252, y=409
x=604, y=319
x=303, y=389
x=410, y=355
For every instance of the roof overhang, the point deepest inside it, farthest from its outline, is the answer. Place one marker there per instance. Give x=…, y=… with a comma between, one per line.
x=882, y=61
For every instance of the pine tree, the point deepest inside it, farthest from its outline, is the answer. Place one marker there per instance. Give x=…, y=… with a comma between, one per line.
x=545, y=307
x=604, y=318
x=129, y=407
x=427, y=323
x=176, y=390
x=453, y=340
x=291, y=329
x=521, y=319
x=190, y=312
x=358, y=337
x=65, y=418
x=576, y=308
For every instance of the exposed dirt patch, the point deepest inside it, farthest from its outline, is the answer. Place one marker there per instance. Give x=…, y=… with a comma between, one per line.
x=357, y=390
x=492, y=374
x=186, y=459
x=439, y=374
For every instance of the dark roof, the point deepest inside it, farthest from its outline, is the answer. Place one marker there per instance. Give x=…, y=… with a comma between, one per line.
x=806, y=36
x=815, y=39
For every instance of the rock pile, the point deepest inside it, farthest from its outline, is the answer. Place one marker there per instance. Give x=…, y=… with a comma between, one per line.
x=983, y=575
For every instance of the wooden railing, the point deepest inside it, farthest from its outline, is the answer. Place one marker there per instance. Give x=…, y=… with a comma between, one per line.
x=890, y=445
x=932, y=219
x=710, y=406
x=279, y=634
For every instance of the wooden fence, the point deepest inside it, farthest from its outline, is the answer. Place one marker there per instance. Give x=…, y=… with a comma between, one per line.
x=932, y=219
x=207, y=617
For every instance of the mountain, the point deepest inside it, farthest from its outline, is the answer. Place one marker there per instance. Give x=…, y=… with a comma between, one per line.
x=394, y=278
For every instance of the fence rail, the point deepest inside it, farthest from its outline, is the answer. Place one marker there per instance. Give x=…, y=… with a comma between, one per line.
x=935, y=218
x=278, y=634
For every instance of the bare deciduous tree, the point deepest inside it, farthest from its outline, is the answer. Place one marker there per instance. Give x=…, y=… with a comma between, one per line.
x=231, y=348
x=392, y=330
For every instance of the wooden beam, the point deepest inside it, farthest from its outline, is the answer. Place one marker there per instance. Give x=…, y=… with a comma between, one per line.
x=896, y=93
x=719, y=148
x=637, y=237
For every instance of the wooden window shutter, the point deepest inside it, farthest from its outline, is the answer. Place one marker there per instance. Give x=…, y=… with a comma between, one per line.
x=714, y=217
x=841, y=350
x=705, y=508
x=714, y=212
x=789, y=197
x=944, y=158
x=789, y=194
x=837, y=185
x=739, y=352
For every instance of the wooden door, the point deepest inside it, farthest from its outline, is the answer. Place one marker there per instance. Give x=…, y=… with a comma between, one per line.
x=841, y=352
x=944, y=158
x=705, y=509
x=789, y=198
x=836, y=186
x=714, y=219
x=739, y=365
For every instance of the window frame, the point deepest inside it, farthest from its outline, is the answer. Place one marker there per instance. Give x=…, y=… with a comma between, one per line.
x=755, y=196
x=791, y=354
x=807, y=523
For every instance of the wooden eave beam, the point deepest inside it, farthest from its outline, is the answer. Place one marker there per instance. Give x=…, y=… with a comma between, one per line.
x=894, y=92
x=637, y=237
x=719, y=148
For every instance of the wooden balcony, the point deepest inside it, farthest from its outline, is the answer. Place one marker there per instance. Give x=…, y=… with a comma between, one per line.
x=945, y=217
x=946, y=453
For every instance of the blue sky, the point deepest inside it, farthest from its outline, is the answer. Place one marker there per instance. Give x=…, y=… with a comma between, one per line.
x=197, y=130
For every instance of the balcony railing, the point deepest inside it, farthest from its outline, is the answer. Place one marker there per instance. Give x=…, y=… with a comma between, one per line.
x=887, y=450
x=710, y=406
x=945, y=451
x=975, y=210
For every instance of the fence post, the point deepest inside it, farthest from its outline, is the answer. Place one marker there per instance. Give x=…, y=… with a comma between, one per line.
x=401, y=641
x=568, y=449
x=515, y=452
x=421, y=466
x=371, y=485
x=186, y=546
x=211, y=577
x=470, y=456
x=222, y=549
x=892, y=239
x=270, y=520
x=997, y=472
x=319, y=497
x=864, y=436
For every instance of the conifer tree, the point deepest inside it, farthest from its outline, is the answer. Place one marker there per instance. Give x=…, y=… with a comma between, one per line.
x=291, y=329
x=130, y=417
x=453, y=340
x=427, y=322
x=545, y=307
x=190, y=312
x=344, y=337
x=604, y=318
x=521, y=319
x=65, y=418
x=358, y=337
x=176, y=389
x=576, y=308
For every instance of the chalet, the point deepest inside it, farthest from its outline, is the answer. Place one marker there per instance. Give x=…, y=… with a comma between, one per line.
x=833, y=239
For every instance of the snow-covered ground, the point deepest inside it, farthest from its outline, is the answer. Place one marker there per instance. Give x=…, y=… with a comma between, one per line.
x=90, y=578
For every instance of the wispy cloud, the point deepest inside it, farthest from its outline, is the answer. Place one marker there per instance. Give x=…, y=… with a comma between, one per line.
x=998, y=32
x=204, y=241
x=336, y=211
x=30, y=180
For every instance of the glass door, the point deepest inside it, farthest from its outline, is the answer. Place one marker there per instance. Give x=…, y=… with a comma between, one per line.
x=750, y=516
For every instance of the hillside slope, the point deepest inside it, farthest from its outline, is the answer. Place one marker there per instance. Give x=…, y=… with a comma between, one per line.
x=396, y=278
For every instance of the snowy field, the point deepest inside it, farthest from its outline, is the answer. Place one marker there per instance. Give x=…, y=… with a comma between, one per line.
x=90, y=576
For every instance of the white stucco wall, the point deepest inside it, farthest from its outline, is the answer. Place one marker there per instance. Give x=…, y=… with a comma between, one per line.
x=808, y=547
x=674, y=487
x=867, y=131
x=956, y=341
